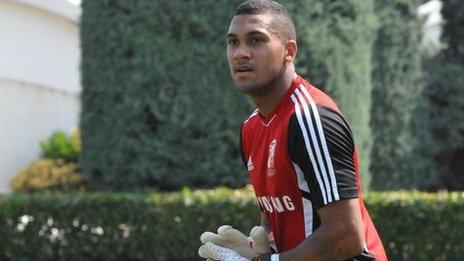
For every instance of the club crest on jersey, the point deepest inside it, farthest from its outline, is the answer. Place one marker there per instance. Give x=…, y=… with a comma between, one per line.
x=250, y=165
x=270, y=160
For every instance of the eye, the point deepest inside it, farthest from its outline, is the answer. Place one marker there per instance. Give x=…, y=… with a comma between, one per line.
x=232, y=42
x=255, y=40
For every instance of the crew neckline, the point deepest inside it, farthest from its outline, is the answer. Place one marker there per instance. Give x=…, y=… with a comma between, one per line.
x=272, y=115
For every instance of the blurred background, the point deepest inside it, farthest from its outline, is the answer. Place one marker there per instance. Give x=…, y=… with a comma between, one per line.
x=120, y=123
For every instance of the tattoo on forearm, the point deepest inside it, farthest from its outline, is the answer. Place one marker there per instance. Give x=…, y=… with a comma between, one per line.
x=326, y=251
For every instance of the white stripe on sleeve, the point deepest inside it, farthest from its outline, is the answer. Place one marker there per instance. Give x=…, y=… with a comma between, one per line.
x=324, y=144
x=317, y=148
x=308, y=148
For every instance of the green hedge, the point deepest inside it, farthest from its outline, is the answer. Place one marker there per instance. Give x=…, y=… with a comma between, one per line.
x=414, y=226
x=158, y=105
x=420, y=226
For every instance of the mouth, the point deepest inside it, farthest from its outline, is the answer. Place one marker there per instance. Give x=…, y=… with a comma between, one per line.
x=243, y=70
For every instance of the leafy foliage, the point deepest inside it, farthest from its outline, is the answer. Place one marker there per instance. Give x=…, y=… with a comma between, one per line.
x=158, y=105
x=113, y=226
x=397, y=84
x=419, y=226
x=122, y=226
x=58, y=170
x=440, y=117
x=62, y=146
x=441, y=127
x=453, y=14
x=48, y=175
x=335, y=54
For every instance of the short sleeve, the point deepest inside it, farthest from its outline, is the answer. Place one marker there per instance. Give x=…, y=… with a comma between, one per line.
x=321, y=144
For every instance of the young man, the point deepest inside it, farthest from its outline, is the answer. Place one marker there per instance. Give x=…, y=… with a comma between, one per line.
x=298, y=149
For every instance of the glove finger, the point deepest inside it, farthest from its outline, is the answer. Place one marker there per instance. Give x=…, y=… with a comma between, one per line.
x=214, y=238
x=260, y=234
x=260, y=238
x=212, y=251
x=231, y=234
x=237, y=241
x=224, y=227
x=202, y=253
x=205, y=252
x=256, y=230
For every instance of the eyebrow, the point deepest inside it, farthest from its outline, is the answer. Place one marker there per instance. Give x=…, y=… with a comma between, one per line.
x=248, y=34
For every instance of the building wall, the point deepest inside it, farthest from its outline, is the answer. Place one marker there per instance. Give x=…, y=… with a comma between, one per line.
x=432, y=28
x=39, y=78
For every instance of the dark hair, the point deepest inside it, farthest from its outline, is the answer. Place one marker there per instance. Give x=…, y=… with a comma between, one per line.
x=282, y=21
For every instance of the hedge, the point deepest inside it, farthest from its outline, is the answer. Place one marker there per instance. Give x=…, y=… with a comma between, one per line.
x=159, y=108
x=166, y=226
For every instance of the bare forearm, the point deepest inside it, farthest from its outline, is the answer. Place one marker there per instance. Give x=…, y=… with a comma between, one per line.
x=320, y=246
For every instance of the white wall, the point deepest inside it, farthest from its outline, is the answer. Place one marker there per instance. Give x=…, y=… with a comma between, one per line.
x=39, y=78
x=432, y=28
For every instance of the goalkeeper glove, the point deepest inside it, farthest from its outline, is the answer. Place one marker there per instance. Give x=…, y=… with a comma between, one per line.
x=211, y=251
x=248, y=247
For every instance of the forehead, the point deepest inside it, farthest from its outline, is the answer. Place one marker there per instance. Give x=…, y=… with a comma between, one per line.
x=243, y=24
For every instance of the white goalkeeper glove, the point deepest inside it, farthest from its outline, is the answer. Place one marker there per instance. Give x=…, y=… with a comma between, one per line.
x=211, y=251
x=254, y=245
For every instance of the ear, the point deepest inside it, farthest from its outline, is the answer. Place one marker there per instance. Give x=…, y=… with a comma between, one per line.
x=291, y=49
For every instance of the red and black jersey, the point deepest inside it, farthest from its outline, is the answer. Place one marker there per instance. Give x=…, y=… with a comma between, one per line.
x=301, y=158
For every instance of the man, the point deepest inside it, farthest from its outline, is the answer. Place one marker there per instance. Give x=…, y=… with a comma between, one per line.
x=298, y=149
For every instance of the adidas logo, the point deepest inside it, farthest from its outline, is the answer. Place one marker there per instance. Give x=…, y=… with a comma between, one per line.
x=250, y=165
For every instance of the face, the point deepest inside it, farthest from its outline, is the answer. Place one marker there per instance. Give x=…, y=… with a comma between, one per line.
x=255, y=52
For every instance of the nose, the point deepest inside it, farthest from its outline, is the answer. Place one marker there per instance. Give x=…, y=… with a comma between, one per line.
x=241, y=52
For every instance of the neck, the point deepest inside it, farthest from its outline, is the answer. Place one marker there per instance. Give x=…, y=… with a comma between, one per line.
x=267, y=102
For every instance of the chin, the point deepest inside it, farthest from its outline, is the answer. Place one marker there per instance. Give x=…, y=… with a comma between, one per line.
x=251, y=88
